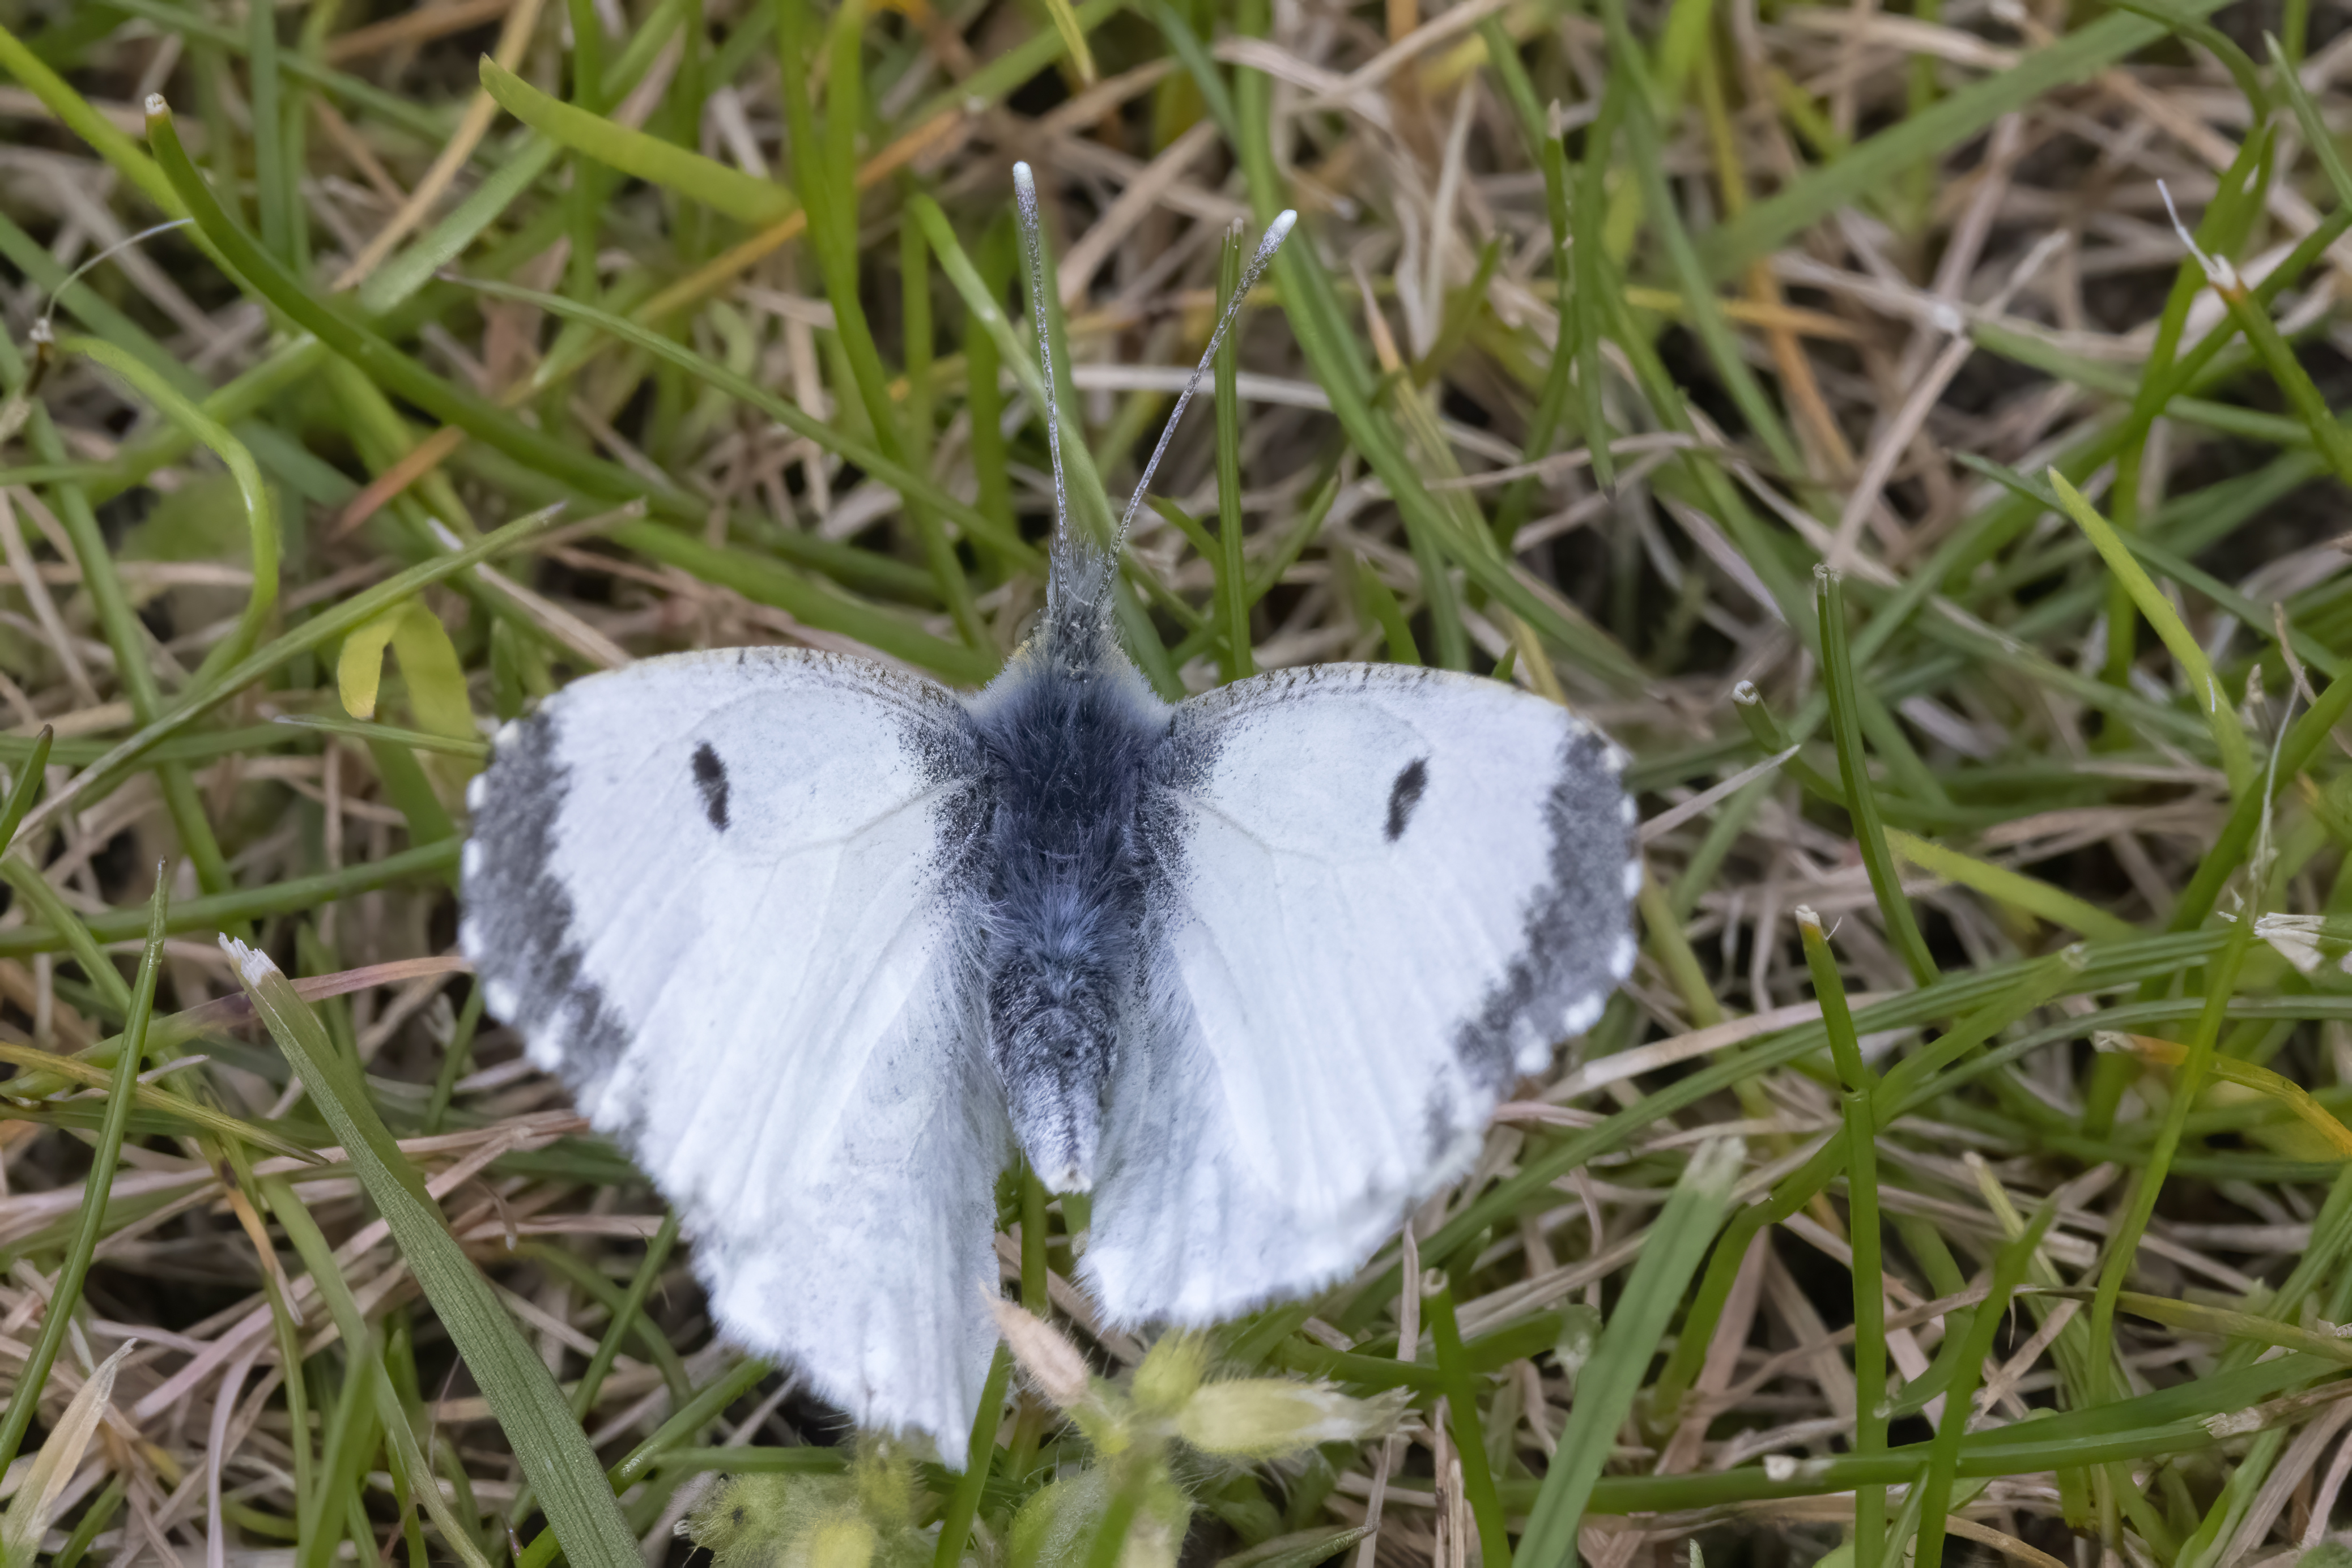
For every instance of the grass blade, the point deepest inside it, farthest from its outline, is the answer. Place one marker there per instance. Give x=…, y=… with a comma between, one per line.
x=260, y=510
x=2013, y=888
x=1606, y=1388
x=1932, y=131
x=743, y=197
x=1862, y=1189
x=35, y=1504
x=26, y=787
x=2205, y=688
x=65, y=1294
x=1943, y=1465
x=316, y=632
x=554, y=1453
x=1861, y=796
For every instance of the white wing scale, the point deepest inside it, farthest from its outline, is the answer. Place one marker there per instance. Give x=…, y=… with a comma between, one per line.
x=723, y=895
x=1379, y=894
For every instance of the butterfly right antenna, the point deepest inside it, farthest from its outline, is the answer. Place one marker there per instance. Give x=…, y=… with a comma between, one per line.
x=1276, y=232
x=1025, y=198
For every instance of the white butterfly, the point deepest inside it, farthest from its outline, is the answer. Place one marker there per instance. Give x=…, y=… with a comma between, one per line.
x=822, y=944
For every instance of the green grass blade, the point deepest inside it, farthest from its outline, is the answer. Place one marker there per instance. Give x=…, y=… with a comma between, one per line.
x=554, y=1453
x=2316, y=135
x=1929, y=133
x=1469, y=1434
x=215, y=911
x=746, y=198
x=1862, y=1189
x=390, y=735
x=276, y=201
x=2011, y=887
x=771, y=583
x=1943, y=1465
x=2123, y=1239
x=399, y=277
x=624, y=1316
x=74, y=112
x=2214, y=42
x=963, y=1504
x=1544, y=150
x=400, y=1443
x=260, y=509
x=65, y=1294
x=541, y=453
x=26, y=787
x=1089, y=502
x=2205, y=688
x=314, y=634
x=642, y=1460
x=906, y=481
x=40, y=1071
x=1073, y=38
x=42, y=901
x=1861, y=795
x=827, y=170
x=1607, y=1386
x=1645, y=142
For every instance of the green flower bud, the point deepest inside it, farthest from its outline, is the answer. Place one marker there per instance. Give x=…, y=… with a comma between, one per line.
x=861, y=1519
x=1264, y=1417
x=751, y=1521
x=883, y=1476
x=1172, y=1370
x=1057, y=1526
x=844, y=1541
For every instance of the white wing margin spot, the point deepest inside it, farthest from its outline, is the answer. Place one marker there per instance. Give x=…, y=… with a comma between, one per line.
x=718, y=894
x=1379, y=894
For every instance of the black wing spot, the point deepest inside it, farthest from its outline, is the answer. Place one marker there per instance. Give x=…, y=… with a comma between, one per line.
x=710, y=777
x=1406, y=794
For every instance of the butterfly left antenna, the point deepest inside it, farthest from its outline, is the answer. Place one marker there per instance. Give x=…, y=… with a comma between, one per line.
x=1024, y=201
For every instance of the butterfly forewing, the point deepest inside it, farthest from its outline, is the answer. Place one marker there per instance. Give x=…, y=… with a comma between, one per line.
x=725, y=896
x=1377, y=897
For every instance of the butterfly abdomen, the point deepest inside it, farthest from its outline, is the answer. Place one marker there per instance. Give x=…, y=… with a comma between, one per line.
x=1066, y=733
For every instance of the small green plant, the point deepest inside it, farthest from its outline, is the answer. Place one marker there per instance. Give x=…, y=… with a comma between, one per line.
x=1127, y=1504
x=1147, y=1440
x=864, y=1518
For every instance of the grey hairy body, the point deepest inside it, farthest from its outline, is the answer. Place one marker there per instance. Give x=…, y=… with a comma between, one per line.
x=1069, y=732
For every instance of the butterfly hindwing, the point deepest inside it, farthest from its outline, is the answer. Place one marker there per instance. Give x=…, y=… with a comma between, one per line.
x=1377, y=897
x=725, y=896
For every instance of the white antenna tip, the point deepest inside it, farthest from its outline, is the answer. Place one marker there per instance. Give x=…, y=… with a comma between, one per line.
x=1282, y=222
x=2217, y=269
x=1022, y=178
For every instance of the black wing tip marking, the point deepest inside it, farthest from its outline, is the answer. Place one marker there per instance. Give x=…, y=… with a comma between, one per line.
x=518, y=919
x=1404, y=795
x=1577, y=941
x=711, y=779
